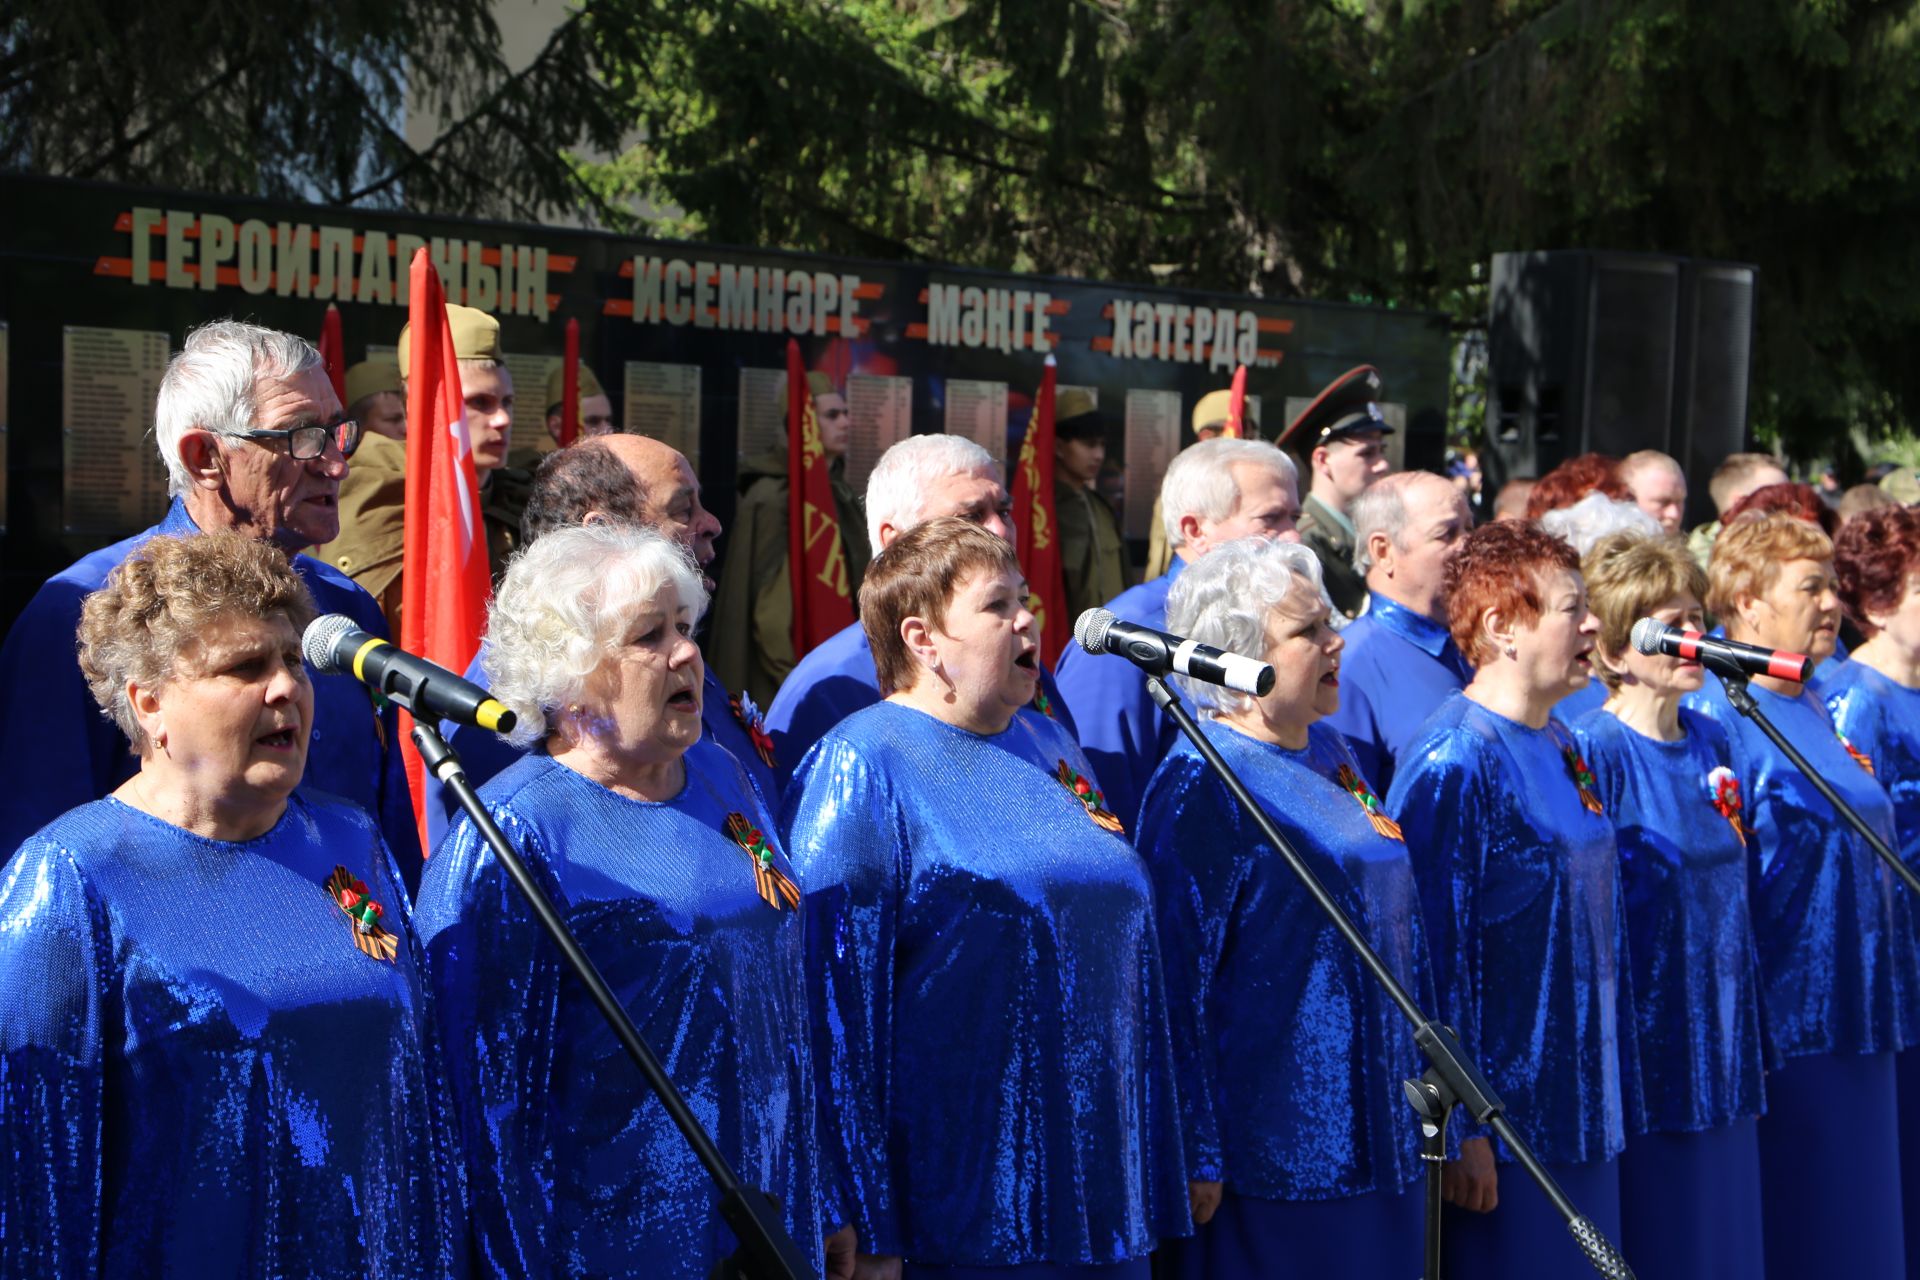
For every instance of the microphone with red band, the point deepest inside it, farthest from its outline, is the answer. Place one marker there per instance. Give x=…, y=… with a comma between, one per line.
x=1728, y=657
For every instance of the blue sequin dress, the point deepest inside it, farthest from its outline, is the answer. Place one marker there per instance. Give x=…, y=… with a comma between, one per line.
x=573, y=1166
x=1520, y=891
x=1881, y=718
x=1834, y=933
x=1690, y=1178
x=987, y=998
x=201, y=1072
x=1290, y=1054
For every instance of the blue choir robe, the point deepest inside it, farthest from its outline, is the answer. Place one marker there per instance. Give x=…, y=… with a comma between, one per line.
x=1880, y=717
x=201, y=1072
x=724, y=720
x=1397, y=668
x=987, y=999
x=58, y=749
x=1573, y=708
x=1833, y=929
x=1520, y=891
x=1683, y=870
x=572, y=1165
x=1290, y=1054
x=1123, y=731
x=836, y=679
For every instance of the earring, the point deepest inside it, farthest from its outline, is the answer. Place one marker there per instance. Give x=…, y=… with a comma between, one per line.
x=1512, y=651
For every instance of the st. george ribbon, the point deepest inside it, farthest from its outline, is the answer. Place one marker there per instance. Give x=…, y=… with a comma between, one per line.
x=1159, y=653
x=333, y=643
x=1728, y=657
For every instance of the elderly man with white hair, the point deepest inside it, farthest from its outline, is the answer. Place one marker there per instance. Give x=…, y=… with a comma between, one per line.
x=1582, y=526
x=1400, y=663
x=918, y=479
x=1214, y=492
x=254, y=441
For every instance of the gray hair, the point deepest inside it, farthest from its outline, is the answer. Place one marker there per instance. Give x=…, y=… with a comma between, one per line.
x=212, y=385
x=897, y=488
x=1200, y=481
x=1223, y=599
x=1594, y=517
x=563, y=608
x=1382, y=508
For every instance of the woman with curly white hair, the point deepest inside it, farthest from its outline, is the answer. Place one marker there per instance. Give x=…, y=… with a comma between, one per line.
x=1289, y=1053
x=661, y=858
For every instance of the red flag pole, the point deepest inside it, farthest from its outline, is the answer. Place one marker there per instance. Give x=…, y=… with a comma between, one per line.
x=444, y=579
x=333, y=353
x=1237, y=405
x=1036, y=533
x=570, y=388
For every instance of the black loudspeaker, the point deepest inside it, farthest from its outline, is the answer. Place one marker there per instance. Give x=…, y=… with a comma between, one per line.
x=1615, y=352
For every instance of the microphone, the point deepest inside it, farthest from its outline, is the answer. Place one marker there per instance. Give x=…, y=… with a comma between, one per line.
x=1098, y=631
x=333, y=643
x=1728, y=657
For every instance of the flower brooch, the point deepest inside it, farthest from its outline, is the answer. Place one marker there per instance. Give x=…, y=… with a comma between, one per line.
x=1723, y=789
x=769, y=881
x=350, y=894
x=755, y=724
x=1088, y=795
x=1357, y=787
x=1582, y=775
x=1860, y=757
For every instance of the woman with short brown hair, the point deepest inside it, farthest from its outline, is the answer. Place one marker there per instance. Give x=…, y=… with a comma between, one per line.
x=985, y=974
x=212, y=1057
x=1833, y=929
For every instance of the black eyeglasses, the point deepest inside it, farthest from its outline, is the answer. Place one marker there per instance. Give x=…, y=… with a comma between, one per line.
x=311, y=441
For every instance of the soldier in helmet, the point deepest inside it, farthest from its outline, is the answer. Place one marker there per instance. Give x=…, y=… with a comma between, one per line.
x=1093, y=559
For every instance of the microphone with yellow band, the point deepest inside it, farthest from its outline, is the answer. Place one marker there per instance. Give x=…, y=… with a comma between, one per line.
x=334, y=643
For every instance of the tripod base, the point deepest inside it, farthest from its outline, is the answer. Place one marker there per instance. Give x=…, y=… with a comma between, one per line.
x=1525, y=1236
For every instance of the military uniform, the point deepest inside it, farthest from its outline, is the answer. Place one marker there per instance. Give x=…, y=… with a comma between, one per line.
x=1346, y=409
x=1093, y=559
x=373, y=495
x=1209, y=419
x=750, y=638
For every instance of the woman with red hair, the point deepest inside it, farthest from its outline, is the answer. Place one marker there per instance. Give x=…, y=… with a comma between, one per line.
x=1573, y=480
x=1875, y=703
x=1797, y=500
x=1519, y=883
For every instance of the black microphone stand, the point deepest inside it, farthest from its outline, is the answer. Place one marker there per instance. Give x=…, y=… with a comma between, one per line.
x=766, y=1251
x=1452, y=1078
x=1743, y=701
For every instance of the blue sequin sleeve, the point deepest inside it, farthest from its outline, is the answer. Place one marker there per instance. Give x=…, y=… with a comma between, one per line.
x=841, y=828
x=496, y=991
x=53, y=957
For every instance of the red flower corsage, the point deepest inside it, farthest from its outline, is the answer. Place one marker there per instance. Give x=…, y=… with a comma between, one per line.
x=755, y=724
x=769, y=881
x=349, y=893
x=1088, y=795
x=1724, y=790
x=1357, y=788
x=1583, y=779
x=1042, y=703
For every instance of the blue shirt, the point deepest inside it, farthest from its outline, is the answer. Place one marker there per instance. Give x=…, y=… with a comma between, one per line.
x=987, y=1000
x=1123, y=731
x=573, y=1166
x=66, y=752
x=1520, y=890
x=1576, y=706
x=1290, y=1054
x=1397, y=668
x=836, y=679
x=1834, y=931
x=483, y=753
x=202, y=1073
x=1881, y=718
x=1683, y=870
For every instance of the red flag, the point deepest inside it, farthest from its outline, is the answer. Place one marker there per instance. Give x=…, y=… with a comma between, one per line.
x=1036, y=533
x=816, y=558
x=1237, y=405
x=333, y=353
x=570, y=387
x=444, y=576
